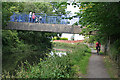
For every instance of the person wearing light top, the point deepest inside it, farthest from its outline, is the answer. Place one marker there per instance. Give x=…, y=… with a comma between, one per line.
x=40, y=19
x=30, y=16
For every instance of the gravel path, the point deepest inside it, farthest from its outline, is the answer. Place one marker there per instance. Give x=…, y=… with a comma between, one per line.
x=96, y=68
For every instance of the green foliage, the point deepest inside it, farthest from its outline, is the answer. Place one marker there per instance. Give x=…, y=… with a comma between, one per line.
x=104, y=19
x=39, y=39
x=59, y=7
x=56, y=38
x=19, y=46
x=59, y=38
x=43, y=7
x=10, y=41
x=55, y=66
x=80, y=51
x=112, y=67
x=63, y=45
x=91, y=39
x=79, y=57
x=100, y=16
x=86, y=40
x=52, y=67
x=114, y=50
x=7, y=10
x=63, y=38
x=22, y=45
x=27, y=45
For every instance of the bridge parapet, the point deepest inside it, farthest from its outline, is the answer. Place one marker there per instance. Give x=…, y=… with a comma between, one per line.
x=54, y=19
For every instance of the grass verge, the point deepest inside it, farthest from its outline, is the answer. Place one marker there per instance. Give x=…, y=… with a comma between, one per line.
x=111, y=67
x=81, y=67
x=72, y=65
x=67, y=46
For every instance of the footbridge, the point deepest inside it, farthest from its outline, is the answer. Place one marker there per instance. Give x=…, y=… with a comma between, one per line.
x=56, y=23
x=59, y=28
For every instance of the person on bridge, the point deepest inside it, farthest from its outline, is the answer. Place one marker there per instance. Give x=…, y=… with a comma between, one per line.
x=40, y=19
x=33, y=17
x=98, y=45
x=30, y=16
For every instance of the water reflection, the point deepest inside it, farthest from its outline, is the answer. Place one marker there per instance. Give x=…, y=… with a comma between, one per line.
x=58, y=53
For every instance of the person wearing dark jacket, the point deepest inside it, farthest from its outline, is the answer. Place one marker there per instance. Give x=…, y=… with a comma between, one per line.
x=98, y=45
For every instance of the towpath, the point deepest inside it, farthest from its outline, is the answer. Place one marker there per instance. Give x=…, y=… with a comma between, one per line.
x=96, y=68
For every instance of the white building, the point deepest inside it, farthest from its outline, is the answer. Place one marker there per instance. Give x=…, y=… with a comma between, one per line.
x=72, y=10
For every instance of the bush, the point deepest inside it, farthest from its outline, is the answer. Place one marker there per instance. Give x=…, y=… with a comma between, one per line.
x=63, y=38
x=54, y=38
x=57, y=67
x=114, y=50
x=19, y=46
x=52, y=67
x=58, y=38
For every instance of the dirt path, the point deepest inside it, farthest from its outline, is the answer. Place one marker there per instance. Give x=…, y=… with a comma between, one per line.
x=96, y=68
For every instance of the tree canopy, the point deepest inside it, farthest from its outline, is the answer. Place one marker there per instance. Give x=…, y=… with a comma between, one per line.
x=103, y=17
x=29, y=45
x=16, y=41
x=28, y=37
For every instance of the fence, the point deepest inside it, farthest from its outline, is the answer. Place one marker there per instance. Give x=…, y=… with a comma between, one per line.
x=22, y=17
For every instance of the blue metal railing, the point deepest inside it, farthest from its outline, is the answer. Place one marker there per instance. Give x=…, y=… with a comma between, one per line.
x=45, y=18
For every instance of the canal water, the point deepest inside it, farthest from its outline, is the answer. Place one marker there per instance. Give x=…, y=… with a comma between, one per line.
x=59, y=53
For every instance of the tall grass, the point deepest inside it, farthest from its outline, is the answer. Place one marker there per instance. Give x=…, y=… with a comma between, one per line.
x=60, y=45
x=111, y=66
x=10, y=62
x=72, y=65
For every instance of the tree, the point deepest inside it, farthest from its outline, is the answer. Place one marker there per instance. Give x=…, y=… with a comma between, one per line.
x=100, y=16
x=105, y=19
x=28, y=37
x=43, y=7
x=28, y=44
x=59, y=7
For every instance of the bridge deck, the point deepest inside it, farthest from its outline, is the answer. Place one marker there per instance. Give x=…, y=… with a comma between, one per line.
x=59, y=28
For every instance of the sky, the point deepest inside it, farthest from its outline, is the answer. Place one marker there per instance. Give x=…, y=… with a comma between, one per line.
x=73, y=10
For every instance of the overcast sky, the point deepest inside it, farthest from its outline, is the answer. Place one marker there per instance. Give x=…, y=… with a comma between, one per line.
x=73, y=10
